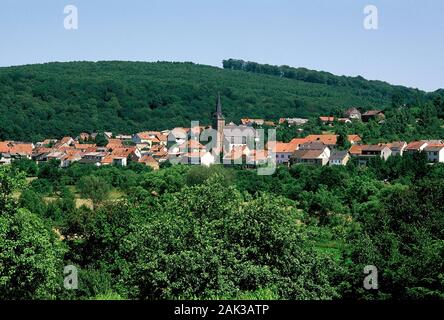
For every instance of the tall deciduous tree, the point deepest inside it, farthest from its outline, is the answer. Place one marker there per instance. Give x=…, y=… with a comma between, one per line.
x=30, y=254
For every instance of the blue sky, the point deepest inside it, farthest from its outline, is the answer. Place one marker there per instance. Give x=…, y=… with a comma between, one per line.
x=324, y=35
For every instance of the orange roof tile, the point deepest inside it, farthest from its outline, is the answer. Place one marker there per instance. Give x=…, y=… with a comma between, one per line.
x=22, y=148
x=4, y=147
x=282, y=147
x=355, y=150
x=354, y=138
x=327, y=119
x=327, y=139
x=123, y=152
x=147, y=159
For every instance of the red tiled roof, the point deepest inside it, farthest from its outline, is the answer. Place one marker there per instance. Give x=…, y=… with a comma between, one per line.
x=83, y=146
x=191, y=144
x=434, y=147
x=415, y=145
x=123, y=152
x=65, y=140
x=327, y=119
x=307, y=154
x=257, y=155
x=354, y=138
x=22, y=148
x=397, y=145
x=147, y=159
x=4, y=147
x=373, y=147
x=327, y=139
x=355, y=150
x=298, y=141
x=282, y=147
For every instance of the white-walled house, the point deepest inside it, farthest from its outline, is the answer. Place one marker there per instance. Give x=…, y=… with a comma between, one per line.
x=434, y=153
x=372, y=151
x=398, y=148
x=416, y=146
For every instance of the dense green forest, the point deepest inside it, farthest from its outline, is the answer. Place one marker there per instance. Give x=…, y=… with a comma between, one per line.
x=56, y=99
x=217, y=233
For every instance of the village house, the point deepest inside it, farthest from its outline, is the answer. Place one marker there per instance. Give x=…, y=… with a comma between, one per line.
x=314, y=145
x=115, y=161
x=93, y=158
x=344, y=120
x=201, y=157
x=339, y=158
x=416, y=147
x=376, y=115
x=129, y=153
x=252, y=122
x=5, y=158
x=257, y=158
x=148, y=138
x=64, y=142
x=124, y=137
x=161, y=155
x=178, y=136
x=46, y=143
x=327, y=120
x=283, y=151
x=315, y=157
x=236, y=155
x=85, y=147
x=353, y=114
x=149, y=161
x=331, y=140
x=55, y=155
x=354, y=139
x=83, y=137
x=373, y=151
x=238, y=136
x=69, y=159
x=313, y=152
x=298, y=141
x=39, y=154
x=398, y=148
x=293, y=121
x=435, y=153
x=19, y=150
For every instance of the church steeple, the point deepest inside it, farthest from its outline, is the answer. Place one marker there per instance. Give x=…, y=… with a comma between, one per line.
x=218, y=112
x=219, y=125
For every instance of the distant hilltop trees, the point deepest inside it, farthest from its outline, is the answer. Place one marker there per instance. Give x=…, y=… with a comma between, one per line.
x=321, y=77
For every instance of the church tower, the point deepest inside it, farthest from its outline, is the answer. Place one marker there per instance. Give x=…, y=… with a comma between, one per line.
x=219, y=125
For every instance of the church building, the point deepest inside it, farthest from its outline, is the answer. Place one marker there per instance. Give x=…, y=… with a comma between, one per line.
x=231, y=136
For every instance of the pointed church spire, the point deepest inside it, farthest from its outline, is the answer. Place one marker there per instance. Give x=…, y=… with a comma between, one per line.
x=218, y=112
x=218, y=105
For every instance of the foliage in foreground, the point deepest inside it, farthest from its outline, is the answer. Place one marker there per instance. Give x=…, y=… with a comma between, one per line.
x=197, y=233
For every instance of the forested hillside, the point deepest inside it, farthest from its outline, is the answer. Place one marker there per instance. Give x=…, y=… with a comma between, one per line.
x=51, y=100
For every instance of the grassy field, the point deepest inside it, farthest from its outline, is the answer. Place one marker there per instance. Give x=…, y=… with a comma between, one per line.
x=114, y=195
